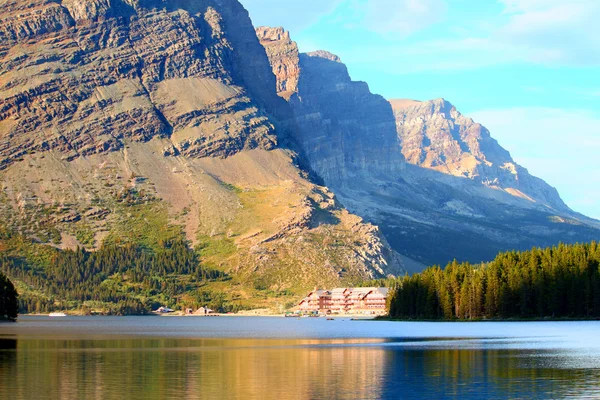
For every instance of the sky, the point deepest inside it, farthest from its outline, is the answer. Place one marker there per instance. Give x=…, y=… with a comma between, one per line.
x=529, y=70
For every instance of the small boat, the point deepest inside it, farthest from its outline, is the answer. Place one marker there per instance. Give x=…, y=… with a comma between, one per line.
x=57, y=314
x=330, y=319
x=164, y=310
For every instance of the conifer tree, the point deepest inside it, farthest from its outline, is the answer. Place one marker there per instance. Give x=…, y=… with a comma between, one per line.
x=9, y=305
x=562, y=281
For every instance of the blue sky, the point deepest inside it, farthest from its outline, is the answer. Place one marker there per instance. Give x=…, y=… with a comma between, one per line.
x=529, y=70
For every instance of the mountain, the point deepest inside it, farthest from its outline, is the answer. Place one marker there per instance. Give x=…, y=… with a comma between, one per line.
x=140, y=121
x=155, y=133
x=344, y=130
x=436, y=183
x=434, y=135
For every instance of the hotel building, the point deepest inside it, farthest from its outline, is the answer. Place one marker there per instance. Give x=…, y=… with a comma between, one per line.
x=346, y=301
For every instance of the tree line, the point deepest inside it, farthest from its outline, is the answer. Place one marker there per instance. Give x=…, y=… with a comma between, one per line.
x=130, y=277
x=558, y=282
x=8, y=299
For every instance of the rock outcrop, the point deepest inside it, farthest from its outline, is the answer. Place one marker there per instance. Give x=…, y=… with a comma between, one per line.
x=284, y=52
x=343, y=129
x=434, y=135
x=435, y=182
x=133, y=120
x=79, y=76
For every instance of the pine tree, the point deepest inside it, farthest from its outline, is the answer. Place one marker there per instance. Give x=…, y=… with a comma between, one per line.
x=563, y=281
x=9, y=305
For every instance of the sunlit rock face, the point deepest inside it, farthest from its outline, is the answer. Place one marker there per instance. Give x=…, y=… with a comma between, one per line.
x=284, y=53
x=434, y=135
x=436, y=183
x=79, y=76
x=168, y=111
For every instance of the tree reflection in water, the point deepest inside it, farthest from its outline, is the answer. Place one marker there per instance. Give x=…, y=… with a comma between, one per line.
x=279, y=369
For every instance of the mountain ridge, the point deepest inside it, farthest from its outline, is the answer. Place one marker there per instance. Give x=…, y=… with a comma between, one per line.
x=435, y=135
x=145, y=121
x=425, y=213
x=152, y=122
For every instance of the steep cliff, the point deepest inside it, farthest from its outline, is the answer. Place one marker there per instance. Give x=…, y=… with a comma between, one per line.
x=434, y=135
x=439, y=186
x=284, y=53
x=142, y=120
x=80, y=76
x=344, y=130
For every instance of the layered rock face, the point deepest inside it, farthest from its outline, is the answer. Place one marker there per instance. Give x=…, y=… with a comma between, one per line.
x=284, y=53
x=79, y=76
x=459, y=195
x=434, y=135
x=130, y=120
x=344, y=130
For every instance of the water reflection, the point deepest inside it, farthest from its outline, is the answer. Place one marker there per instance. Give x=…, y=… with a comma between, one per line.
x=280, y=369
x=191, y=369
x=476, y=374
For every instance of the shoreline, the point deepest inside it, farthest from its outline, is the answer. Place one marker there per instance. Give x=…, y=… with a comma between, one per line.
x=171, y=315
x=565, y=319
x=334, y=317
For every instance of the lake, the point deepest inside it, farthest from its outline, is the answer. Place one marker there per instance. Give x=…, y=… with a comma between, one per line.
x=288, y=358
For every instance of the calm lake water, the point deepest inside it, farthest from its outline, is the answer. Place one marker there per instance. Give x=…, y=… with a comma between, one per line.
x=286, y=358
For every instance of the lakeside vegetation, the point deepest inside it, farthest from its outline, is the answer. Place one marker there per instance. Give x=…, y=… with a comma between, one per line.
x=8, y=299
x=558, y=282
x=119, y=279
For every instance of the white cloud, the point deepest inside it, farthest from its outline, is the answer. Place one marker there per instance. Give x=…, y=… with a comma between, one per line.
x=549, y=32
x=546, y=32
x=388, y=17
x=560, y=146
x=553, y=31
x=400, y=17
x=293, y=15
x=511, y=6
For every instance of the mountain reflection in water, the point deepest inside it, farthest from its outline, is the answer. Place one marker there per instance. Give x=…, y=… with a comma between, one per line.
x=118, y=367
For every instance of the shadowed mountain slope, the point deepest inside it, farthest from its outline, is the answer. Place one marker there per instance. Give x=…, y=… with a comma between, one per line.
x=144, y=120
x=435, y=181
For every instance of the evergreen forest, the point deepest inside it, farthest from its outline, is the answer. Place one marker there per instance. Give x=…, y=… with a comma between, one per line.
x=128, y=279
x=558, y=282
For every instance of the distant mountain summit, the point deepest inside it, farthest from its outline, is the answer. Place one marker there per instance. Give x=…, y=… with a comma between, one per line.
x=434, y=135
x=439, y=186
x=343, y=128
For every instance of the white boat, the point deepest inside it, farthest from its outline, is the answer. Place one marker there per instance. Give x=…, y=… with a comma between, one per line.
x=164, y=310
x=57, y=314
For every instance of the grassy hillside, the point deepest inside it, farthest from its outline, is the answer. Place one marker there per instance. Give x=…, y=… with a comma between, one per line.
x=266, y=233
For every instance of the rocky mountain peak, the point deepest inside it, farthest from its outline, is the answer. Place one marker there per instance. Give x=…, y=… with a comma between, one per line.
x=400, y=104
x=459, y=193
x=325, y=55
x=343, y=128
x=145, y=121
x=285, y=58
x=80, y=77
x=268, y=34
x=435, y=135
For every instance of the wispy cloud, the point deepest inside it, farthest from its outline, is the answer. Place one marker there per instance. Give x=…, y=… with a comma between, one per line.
x=547, y=32
x=294, y=15
x=553, y=31
x=399, y=17
x=544, y=32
